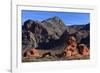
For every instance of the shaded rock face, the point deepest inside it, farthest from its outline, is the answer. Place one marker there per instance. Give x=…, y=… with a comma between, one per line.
x=45, y=35
x=55, y=27
x=33, y=34
x=28, y=40
x=81, y=33
x=52, y=34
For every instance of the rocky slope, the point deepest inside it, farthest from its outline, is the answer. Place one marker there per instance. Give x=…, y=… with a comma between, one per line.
x=52, y=33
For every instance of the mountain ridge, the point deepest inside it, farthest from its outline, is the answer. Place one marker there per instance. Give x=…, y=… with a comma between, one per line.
x=51, y=33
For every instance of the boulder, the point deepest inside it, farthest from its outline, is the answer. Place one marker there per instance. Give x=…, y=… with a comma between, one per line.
x=28, y=53
x=83, y=50
x=71, y=49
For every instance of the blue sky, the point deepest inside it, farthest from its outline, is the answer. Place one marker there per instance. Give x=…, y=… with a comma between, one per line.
x=69, y=18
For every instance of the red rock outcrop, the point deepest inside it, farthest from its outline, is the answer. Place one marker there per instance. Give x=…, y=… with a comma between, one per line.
x=83, y=50
x=71, y=49
x=31, y=53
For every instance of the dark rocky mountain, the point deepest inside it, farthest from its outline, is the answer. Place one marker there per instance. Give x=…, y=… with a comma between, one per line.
x=52, y=33
x=33, y=34
x=74, y=28
x=79, y=31
x=55, y=26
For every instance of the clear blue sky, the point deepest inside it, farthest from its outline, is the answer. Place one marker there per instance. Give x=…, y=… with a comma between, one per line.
x=69, y=18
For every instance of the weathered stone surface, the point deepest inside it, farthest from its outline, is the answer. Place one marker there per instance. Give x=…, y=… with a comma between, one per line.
x=29, y=53
x=83, y=50
x=71, y=49
x=54, y=36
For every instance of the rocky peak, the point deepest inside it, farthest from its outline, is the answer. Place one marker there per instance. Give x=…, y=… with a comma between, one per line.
x=45, y=34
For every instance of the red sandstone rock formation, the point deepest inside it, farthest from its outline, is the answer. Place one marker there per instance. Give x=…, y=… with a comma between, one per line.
x=71, y=49
x=31, y=53
x=84, y=50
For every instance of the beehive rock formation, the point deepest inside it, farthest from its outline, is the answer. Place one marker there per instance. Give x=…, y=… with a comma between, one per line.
x=83, y=50
x=71, y=49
